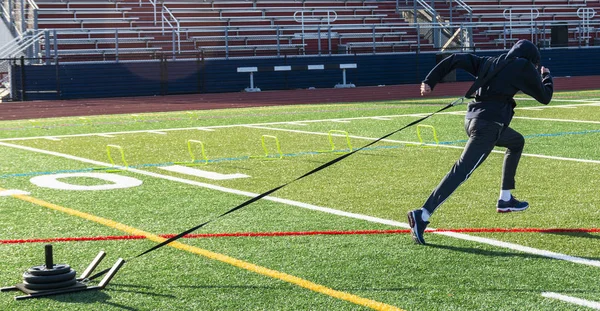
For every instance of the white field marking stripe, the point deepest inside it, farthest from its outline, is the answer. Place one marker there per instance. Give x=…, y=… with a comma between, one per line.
x=381, y=118
x=556, y=158
x=541, y=119
x=157, y=132
x=327, y=134
x=52, y=138
x=105, y=135
x=432, y=145
x=521, y=248
x=573, y=300
x=492, y=242
x=211, y=128
x=11, y=192
x=200, y=173
x=558, y=120
x=590, y=100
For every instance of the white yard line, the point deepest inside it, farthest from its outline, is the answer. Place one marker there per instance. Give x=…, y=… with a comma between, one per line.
x=212, y=128
x=200, y=173
x=381, y=118
x=557, y=158
x=300, y=122
x=573, y=300
x=492, y=242
x=590, y=100
x=157, y=132
x=11, y=192
x=558, y=120
x=326, y=134
x=431, y=145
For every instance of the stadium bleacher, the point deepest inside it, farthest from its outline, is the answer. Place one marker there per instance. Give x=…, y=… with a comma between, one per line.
x=503, y=21
x=228, y=28
x=70, y=31
x=225, y=27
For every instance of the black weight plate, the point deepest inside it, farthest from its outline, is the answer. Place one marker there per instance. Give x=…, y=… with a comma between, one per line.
x=42, y=271
x=50, y=285
x=44, y=279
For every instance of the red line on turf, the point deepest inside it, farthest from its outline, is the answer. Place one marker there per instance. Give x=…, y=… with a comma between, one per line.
x=302, y=233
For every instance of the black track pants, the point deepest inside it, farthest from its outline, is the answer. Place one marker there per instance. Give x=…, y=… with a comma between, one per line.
x=483, y=136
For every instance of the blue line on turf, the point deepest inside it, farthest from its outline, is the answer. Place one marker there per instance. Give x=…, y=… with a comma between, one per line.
x=454, y=142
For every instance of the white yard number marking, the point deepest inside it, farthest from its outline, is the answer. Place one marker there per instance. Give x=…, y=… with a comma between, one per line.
x=116, y=181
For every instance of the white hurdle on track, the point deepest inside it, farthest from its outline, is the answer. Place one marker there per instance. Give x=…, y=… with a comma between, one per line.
x=252, y=70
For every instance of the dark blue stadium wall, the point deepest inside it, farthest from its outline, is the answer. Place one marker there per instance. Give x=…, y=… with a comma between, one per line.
x=70, y=81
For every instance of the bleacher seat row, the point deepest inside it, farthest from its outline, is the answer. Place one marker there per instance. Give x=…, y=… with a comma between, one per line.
x=228, y=28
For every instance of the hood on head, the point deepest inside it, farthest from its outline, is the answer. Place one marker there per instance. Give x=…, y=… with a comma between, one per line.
x=525, y=49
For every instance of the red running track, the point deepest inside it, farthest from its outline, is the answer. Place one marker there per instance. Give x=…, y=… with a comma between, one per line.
x=86, y=107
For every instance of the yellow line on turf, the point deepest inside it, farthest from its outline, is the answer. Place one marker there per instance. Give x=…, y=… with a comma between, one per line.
x=216, y=256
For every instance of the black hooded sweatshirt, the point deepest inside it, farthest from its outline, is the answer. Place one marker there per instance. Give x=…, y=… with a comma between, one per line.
x=494, y=101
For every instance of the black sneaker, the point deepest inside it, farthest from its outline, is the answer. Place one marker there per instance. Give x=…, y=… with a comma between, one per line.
x=417, y=225
x=512, y=205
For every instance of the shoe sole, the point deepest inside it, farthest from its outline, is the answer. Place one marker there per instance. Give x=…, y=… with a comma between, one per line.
x=413, y=233
x=511, y=209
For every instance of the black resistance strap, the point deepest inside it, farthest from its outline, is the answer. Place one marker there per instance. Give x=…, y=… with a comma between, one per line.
x=264, y=194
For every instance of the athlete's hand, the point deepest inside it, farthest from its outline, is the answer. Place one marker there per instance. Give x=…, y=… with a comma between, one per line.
x=544, y=70
x=425, y=89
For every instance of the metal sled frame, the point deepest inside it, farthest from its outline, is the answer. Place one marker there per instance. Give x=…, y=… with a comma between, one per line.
x=78, y=287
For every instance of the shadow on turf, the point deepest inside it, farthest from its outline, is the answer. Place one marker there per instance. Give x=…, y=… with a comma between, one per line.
x=477, y=251
x=104, y=298
x=586, y=235
x=147, y=293
x=92, y=297
x=231, y=286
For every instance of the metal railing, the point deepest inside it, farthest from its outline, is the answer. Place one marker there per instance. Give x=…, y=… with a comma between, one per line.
x=27, y=41
x=327, y=15
x=20, y=15
x=166, y=16
x=534, y=13
x=153, y=9
x=465, y=7
x=6, y=9
x=26, y=44
x=175, y=26
x=586, y=15
x=428, y=8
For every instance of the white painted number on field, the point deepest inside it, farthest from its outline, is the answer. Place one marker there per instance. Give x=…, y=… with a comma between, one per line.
x=200, y=173
x=116, y=181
